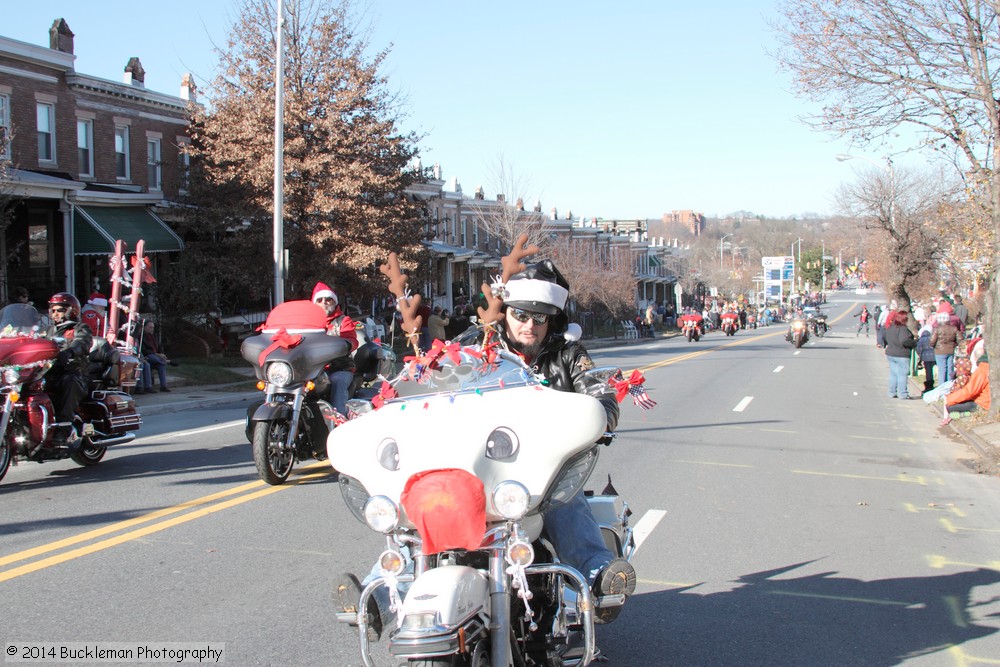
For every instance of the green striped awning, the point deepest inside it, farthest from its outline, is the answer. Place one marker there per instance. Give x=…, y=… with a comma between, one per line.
x=96, y=228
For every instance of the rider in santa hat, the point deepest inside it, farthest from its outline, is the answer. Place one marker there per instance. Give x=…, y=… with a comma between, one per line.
x=94, y=314
x=340, y=371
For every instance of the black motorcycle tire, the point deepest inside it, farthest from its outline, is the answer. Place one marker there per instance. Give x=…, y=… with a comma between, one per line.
x=798, y=342
x=689, y=336
x=273, y=464
x=88, y=454
x=6, y=454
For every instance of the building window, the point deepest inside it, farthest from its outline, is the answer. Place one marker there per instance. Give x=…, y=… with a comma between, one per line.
x=85, y=147
x=5, y=127
x=465, y=226
x=38, y=246
x=475, y=235
x=121, y=153
x=45, y=114
x=153, y=174
x=183, y=166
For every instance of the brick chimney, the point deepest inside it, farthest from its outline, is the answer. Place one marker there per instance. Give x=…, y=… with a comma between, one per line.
x=135, y=75
x=60, y=36
x=189, y=91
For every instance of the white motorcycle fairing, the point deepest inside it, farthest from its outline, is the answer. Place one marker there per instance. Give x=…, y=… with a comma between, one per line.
x=383, y=449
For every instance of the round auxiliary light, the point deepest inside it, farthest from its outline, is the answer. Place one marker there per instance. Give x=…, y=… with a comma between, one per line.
x=381, y=514
x=511, y=499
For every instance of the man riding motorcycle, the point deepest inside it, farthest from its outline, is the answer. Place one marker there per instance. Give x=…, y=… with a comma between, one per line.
x=535, y=326
x=66, y=381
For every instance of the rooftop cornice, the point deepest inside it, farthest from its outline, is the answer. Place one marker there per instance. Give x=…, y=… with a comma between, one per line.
x=37, y=55
x=124, y=90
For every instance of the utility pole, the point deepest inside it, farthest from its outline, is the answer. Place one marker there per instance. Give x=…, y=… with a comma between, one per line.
x=279, y=160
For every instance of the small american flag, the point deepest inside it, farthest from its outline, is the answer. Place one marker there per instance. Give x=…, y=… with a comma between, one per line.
x=633, y=386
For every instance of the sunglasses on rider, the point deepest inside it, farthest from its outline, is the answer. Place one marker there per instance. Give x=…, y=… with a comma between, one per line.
x=57, y=309
x=524, y=316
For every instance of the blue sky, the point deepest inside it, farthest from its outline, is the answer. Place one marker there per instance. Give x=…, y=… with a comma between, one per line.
x=616, y=110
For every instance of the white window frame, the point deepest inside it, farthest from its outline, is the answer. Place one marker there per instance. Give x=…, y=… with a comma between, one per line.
x=4, y=126
x=154, y=162
x=183, y=164
x=122, y=132
x=88, y=137
x=49, y=111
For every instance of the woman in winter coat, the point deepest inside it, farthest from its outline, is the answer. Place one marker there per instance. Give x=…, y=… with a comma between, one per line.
x=899, y=341
x=944, y=339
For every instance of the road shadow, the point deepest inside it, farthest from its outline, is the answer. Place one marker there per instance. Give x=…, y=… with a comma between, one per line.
x=814, y=620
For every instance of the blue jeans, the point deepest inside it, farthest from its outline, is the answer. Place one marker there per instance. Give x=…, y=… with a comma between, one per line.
x=946, y=366
x=340, y=385
x=899, y=368
x=154, y=361
x=577, y=538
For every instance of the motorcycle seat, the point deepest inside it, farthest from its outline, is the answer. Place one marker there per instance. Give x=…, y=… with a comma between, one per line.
x=102, y=367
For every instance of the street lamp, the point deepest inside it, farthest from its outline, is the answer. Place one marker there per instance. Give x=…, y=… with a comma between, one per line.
x=841, y=157
x=721, y=256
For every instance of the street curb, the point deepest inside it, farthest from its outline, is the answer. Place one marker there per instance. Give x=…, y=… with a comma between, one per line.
x=988, y=454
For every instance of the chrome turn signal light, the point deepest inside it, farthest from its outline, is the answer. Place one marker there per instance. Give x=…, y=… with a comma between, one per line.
x=520, y=553
x=391, y=561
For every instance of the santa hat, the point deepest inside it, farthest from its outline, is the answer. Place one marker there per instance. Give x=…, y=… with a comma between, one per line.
x=98, y=299
x=322, y=290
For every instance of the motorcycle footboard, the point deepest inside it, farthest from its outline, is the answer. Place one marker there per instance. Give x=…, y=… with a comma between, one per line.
x=585, y=604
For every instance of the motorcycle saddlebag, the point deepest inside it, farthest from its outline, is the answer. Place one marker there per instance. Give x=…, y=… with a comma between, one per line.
x=111, y=412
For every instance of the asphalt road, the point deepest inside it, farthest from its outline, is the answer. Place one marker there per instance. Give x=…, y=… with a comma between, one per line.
x=789, y=514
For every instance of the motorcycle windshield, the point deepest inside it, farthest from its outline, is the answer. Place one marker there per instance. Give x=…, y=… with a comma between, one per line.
x=20, y=319
x=467, y=372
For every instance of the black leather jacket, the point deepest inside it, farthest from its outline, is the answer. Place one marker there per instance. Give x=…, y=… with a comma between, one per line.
x=74, y=352
x=564, y=364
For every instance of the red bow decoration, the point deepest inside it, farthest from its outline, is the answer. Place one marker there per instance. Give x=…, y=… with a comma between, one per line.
x=384, y=394
x=631, y=387
x=488, y=354
x=429, y=361
x=147, y=277
x=281, y=339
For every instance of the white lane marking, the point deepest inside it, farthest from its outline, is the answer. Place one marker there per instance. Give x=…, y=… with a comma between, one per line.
x=194, y=431
x=778, y=369
x=796, y=352
x=741, y=406
x=645, y=526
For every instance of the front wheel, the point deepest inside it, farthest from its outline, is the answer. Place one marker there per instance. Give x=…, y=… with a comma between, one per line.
x=88, y=454
x=6, y=454
x=274, y=462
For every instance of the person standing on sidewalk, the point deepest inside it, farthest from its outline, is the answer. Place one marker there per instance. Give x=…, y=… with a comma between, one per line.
x=899, y=341
x=925, y=352
x=944, y=339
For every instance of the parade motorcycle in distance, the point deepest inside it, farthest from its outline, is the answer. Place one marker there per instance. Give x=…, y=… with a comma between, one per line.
x=289, y=356
x=105, y=417
x=730, y=325
x=455, y=468
x=691, y=329
x=798, y=332
x=818, y=325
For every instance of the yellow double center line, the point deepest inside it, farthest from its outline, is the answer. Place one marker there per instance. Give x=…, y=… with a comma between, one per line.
x=155, y=525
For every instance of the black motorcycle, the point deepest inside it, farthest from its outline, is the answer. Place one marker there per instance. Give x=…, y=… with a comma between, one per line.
x=817, y=324
x=798, y=332
x=290, y=355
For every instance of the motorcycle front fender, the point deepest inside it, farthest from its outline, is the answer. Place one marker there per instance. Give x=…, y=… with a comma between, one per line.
x=267, y=412
x=454, y=592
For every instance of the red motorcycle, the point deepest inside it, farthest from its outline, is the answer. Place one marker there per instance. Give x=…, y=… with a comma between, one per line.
x=105, y=417
x=730, y=325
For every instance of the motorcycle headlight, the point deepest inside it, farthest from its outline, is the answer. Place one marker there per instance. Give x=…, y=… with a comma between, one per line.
x=572, y=478
x=797, y=325
x=381, y=514
x=510, y=499
x=279, y=373
x=11, y=376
